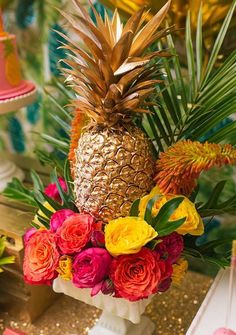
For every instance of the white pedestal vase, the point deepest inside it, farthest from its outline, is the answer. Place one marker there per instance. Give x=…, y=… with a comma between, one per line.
x=119, y=316
x=8, y=170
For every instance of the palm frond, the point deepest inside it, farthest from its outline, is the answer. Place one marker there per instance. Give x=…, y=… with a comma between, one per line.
x=196, y=99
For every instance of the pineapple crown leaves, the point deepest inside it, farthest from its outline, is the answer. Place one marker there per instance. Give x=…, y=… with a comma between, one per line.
x=112, y=78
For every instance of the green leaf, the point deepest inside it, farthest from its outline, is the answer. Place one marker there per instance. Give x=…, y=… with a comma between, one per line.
x=215, y=195
x=219, y=41
x=162, y=218
x=37, y=184
x=55, y=205
x=152, y=244
x=148, y=217
x=44, y=221
x=190, y=59
x=134, y=210
x=45, y=211
x=7, y=260
x=199, y=47
x=170, y=227
x=16, y=191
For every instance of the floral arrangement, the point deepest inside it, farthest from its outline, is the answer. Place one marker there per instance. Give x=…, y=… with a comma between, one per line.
x=123, y=216
x=130, y=257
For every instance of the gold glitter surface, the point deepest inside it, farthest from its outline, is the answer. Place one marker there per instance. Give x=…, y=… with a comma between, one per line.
x=171, y=312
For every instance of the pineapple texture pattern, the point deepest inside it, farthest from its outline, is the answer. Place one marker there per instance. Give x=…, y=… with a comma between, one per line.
x=113, y=168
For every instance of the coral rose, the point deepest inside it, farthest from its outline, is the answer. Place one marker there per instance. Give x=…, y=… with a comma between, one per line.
x=193, y=224
x=127, y=235
x=75, y=233
x=58, y=218
x=171, y=247
x=41, y=258
x=91, y=267
x=136, y=276
x=52, y=192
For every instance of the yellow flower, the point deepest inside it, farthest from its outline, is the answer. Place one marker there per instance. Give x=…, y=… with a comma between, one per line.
x=179, y=271
x=39, y=212
x=193, y=224
x=144, y=200
x=65, y=267
x=127, y=235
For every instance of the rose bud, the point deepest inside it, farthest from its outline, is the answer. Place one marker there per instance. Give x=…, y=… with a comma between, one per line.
x=98, y=239
x=107, y=287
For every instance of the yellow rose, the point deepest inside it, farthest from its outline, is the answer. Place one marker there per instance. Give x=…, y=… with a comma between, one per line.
x=193, y=224
x=144, y=200
x=65, y=267
x=179, y=271
x=39, y=212
x=127, y=235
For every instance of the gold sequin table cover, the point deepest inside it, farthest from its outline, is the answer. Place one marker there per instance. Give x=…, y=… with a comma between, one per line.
x=171, y=312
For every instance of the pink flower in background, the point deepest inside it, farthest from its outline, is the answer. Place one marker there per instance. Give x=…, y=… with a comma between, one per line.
x=90, y=267
x=41, y=258
x=59, y=217
x=171, y=247
x=75, y=233
x=29, y=233
x=52, y=192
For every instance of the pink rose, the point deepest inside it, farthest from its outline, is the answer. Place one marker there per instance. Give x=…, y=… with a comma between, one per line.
x=75, y=233
x=28, y=234
x=171, y=247
x=41, y=258
x=52, y=192
x=90, y=267
x=58, y=218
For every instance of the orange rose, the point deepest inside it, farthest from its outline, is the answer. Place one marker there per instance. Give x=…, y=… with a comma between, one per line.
x=41, y=258
x=136, y=276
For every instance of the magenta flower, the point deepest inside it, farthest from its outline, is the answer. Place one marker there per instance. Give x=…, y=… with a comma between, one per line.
x=91, y=267
x=171, y=247
x=29, y=233
x=58, y=218
x=52, y=192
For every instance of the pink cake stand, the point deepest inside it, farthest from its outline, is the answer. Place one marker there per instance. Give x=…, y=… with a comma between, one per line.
x=14, y=99
x=11, y=101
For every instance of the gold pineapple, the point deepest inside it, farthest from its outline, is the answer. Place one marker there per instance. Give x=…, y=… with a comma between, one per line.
x=113, y=164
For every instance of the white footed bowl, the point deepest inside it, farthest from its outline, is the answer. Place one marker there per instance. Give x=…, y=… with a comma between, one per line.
x=122, y=308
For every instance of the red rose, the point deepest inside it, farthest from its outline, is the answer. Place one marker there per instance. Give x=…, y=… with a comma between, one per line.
x=52, y=191
x=136, y=276
x=41, y=258
x=75, y=233
x=171, y=247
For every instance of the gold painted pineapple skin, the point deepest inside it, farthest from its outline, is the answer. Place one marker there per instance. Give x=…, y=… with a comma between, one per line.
x=113, y=169
x=112, y=79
